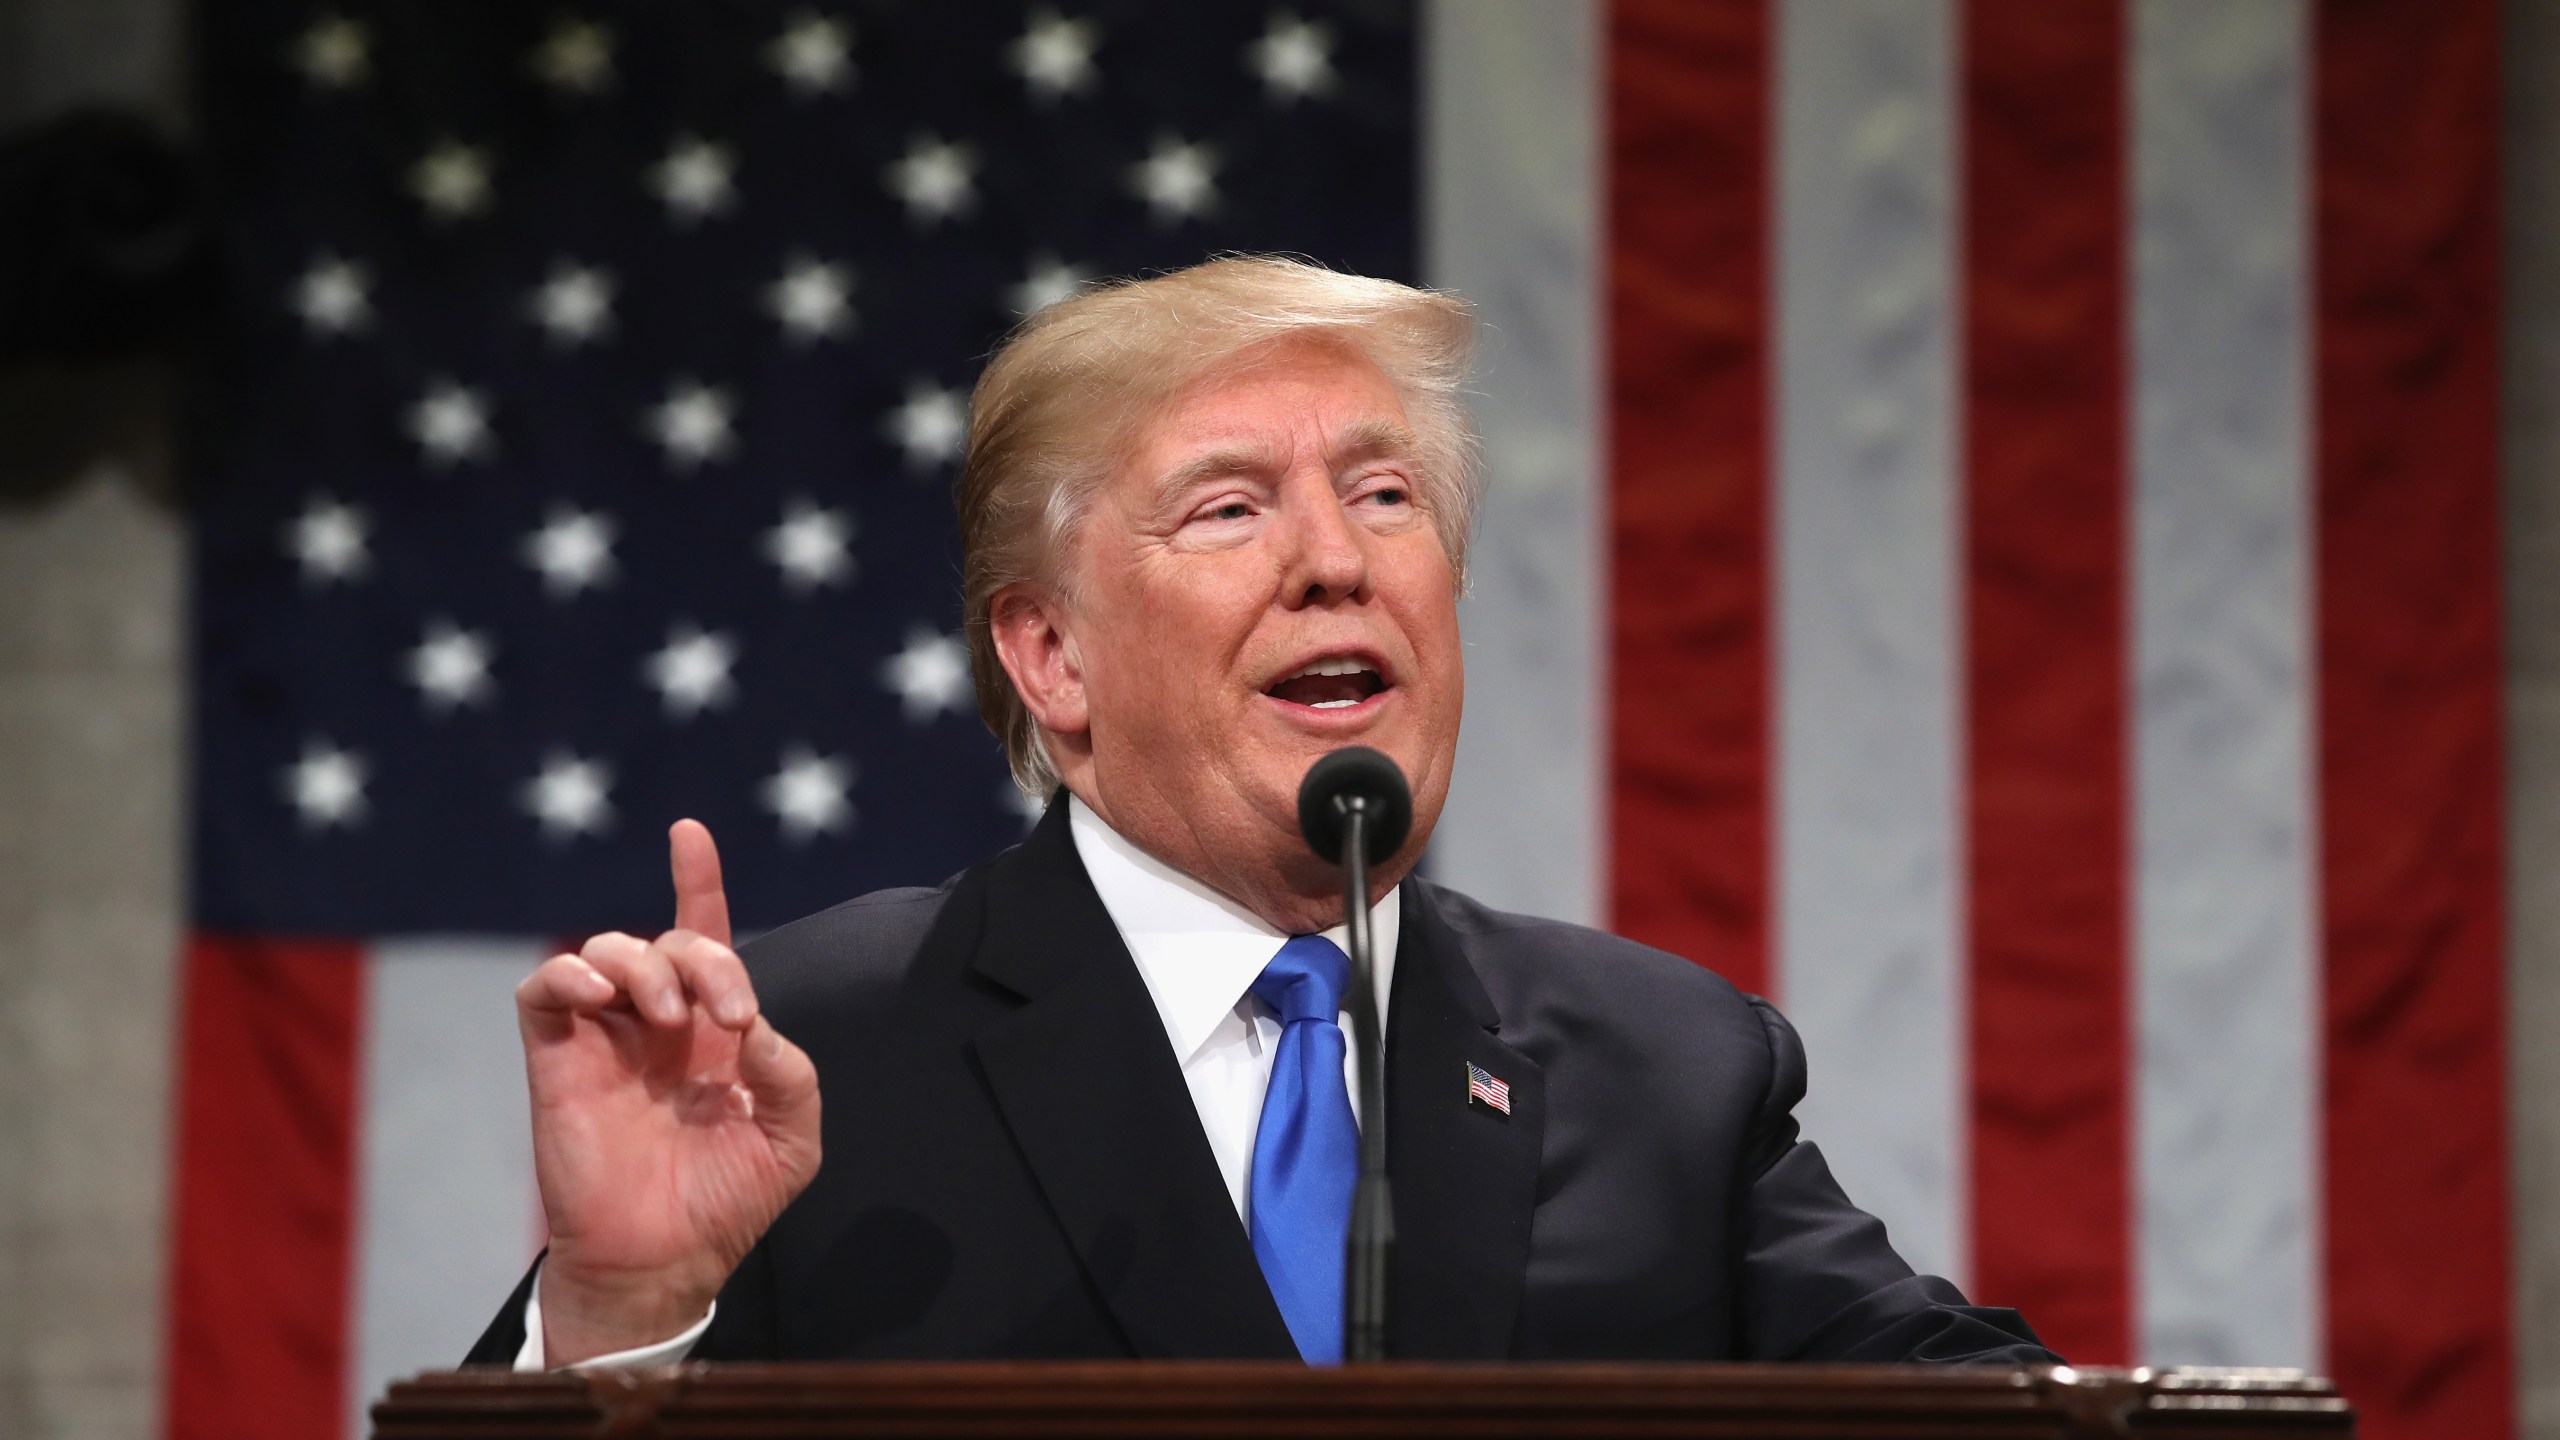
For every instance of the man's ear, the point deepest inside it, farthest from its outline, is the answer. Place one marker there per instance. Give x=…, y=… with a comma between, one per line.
x=1032, y=641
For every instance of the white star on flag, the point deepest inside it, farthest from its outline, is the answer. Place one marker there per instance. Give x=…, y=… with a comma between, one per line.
x=810, y=546
x=692, y=424
x=930, y=676
x=328, y=540
x=691, y=674
x=333, y=54
x=576, y=58
x=575, y=305
x=1050, y=281
x=811, y=300
x=570, y=796
x=931, y=425
x=334, y=297
x=807, y=795
x=326, y=786
x=1055, y=55
x=935, y=179
x=450, y=667
x=1178, y=180
x=1294, y=58
x=451, y=181
x=573, y=550
x=451, y=423
x=693, y=179
x=813, y=54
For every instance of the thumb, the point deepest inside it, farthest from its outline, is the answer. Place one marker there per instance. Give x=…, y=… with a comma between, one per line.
x=702, y=906
x=783, y=1081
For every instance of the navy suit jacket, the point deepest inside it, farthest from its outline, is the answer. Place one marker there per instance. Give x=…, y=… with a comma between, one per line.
x=1014, y=1167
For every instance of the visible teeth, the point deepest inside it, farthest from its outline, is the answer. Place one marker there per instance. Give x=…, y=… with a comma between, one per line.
x=1332, y=704
x=1344, y=666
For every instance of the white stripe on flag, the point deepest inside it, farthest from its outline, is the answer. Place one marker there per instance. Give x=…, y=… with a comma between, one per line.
x=447, y=1216
x=1868, y=693
x=2222, y=794
x=1511, y=219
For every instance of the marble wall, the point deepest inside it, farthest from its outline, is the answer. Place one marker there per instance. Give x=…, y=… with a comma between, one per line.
x=2533, y=693
x=90, y=737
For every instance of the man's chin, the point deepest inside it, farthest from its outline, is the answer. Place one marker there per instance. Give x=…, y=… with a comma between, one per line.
x=1282, y=765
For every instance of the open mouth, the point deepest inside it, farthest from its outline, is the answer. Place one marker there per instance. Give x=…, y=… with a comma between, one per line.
x=1331, y=684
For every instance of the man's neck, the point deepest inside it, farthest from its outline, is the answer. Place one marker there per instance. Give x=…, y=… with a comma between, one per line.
x=1180, y=931
x=1278, y=881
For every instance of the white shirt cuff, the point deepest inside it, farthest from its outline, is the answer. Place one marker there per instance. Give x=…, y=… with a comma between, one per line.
x=665, y=1352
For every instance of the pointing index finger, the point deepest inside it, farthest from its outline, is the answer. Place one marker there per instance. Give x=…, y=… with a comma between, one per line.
x=702, y=906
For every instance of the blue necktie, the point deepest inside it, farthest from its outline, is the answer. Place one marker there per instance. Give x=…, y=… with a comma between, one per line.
x=1306, y=1156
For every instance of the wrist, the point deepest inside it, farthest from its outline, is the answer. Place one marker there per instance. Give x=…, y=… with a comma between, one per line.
x=586, y=1313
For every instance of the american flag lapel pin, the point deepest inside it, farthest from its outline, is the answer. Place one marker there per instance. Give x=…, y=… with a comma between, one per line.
x=1486, y=1091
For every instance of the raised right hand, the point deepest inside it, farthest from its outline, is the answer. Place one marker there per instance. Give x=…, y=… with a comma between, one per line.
x=671, y=1122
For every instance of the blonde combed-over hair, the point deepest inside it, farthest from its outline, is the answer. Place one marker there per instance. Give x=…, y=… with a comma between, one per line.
x=1060, y=405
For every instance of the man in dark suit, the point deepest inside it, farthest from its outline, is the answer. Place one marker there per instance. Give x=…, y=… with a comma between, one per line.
x=1090, y=1099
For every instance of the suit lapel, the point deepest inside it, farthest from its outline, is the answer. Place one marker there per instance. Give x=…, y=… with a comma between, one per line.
x=1465, y=1177
x=1096, y=1101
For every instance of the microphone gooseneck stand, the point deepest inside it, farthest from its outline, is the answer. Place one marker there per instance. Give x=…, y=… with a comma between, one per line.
x=1355, y=808
x=1373, y=1220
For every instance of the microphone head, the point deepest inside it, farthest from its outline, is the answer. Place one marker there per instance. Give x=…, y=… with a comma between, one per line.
x=1332, y=782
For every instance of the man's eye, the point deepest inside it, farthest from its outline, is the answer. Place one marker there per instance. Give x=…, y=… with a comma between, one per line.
x=1232, y=510
x=1389, y=495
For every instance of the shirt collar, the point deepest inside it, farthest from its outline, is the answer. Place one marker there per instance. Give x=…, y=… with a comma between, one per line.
x=1197, y=950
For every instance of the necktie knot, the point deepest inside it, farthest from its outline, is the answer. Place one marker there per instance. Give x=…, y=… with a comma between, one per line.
x=1305, y=980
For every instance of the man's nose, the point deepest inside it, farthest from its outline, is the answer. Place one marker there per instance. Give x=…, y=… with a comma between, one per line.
x=1329, y=562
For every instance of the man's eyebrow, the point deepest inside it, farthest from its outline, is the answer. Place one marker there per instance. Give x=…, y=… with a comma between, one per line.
x=1364, y=440
x=1371, y=439
x=1216, y=464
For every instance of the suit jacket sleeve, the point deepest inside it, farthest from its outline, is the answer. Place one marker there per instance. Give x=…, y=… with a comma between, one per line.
x=741, y=1328
x=1819, y=1279
x=499, y=1344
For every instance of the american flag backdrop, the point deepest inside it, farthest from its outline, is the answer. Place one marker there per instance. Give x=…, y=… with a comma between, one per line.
x=1992, y=540
x=574, y=455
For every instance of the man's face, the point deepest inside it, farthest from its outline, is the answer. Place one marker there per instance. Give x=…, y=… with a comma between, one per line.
x=1260, y=584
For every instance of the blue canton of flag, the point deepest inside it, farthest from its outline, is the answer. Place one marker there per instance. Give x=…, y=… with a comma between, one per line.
x=1482, y=1086
x=575, y=450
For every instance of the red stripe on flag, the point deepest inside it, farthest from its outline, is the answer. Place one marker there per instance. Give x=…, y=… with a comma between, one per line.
x=265, y=1190
x=2044, y=414
x=2410, y=773
x=1688, y=433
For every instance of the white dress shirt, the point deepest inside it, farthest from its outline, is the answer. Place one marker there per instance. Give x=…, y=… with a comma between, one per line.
x=1199, y=953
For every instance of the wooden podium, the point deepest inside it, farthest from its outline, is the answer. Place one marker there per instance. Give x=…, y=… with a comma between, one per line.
x=1169, y=1398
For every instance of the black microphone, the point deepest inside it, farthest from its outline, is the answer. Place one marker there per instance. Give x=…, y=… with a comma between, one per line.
x=1326, y=803
x=1355, y=810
